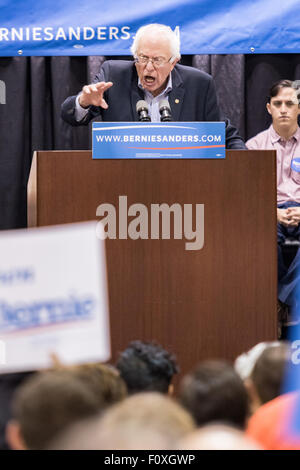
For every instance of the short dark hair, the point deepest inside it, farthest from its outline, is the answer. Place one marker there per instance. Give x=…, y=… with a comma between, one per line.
x=146, y=366
x=274, y=90
x=215, y=392
x=268, y=372
x=48, y=402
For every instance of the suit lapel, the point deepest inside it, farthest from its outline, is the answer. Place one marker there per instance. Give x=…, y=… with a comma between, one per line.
x=136, y=94
x=176, y=95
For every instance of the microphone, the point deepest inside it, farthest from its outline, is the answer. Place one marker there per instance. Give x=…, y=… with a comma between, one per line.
x=142, y=110
x=165, y=111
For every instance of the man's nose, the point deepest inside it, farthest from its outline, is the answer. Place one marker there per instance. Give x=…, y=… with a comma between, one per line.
x=149, y=65
x=283, y=108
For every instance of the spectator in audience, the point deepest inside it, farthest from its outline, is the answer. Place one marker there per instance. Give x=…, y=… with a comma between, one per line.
x=146, y=366
x=48, y=403
x=284, y=136
x=142, y=421
x=215, y=392
x=270, y=424
x=218, y=437
x=8, y=385
x=104, y=380
x=262, y=369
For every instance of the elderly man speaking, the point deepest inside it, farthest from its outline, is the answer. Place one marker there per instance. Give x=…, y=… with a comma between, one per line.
x=153, y=75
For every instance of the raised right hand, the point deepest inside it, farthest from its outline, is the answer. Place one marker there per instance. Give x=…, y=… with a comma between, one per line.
x=92, y=95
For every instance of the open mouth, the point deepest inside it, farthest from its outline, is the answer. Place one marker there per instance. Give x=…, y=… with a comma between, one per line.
x=149, y=80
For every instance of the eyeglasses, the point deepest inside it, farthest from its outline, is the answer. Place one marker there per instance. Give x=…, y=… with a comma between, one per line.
x=156, y=61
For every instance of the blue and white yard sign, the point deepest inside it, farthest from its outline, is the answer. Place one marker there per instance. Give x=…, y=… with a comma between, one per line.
x=159, y=140
x=53, y=297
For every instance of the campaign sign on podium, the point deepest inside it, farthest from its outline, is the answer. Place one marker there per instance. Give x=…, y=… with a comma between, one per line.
x=159, y=140
x=53, y=297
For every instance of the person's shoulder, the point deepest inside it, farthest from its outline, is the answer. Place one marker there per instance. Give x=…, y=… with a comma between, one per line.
x=259, y=140
x=116, y=71
x=267, y=424
x=277, y=405
x=191, y=72
x=272, y=411
x=118, y=64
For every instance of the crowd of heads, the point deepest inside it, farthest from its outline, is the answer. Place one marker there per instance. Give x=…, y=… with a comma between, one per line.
x=132, y=405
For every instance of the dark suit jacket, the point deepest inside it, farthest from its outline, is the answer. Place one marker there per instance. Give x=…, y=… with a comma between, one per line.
x=193, y=98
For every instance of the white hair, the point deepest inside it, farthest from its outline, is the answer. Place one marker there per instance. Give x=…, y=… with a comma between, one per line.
x=159, y=29
x=244, y=364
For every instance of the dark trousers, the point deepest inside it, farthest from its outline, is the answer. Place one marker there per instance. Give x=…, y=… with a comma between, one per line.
x=288, y=277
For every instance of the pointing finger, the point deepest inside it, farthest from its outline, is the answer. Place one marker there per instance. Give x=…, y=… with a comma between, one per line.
x=86, y=90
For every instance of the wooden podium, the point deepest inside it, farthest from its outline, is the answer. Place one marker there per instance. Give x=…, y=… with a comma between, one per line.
x=212, y=303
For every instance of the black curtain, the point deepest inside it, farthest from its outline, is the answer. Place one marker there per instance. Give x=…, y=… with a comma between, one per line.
x=36, y=87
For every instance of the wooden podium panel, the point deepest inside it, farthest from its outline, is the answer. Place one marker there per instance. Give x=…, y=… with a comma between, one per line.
x=213, y=303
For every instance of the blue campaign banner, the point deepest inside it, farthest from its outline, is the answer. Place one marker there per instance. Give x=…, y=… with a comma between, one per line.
x=98, y=27
x=154, y=140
